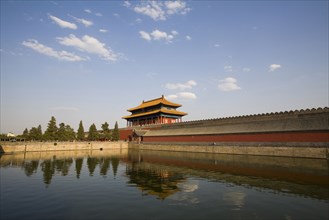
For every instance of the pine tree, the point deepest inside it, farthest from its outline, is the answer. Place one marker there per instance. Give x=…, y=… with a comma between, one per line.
x=115, y=133
x=106, y=131
x=51, y=132
x=81, y=132
x=26, y=134
x=93, y=134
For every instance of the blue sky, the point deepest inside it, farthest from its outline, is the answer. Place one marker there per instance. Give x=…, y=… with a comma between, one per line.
x=92, y=60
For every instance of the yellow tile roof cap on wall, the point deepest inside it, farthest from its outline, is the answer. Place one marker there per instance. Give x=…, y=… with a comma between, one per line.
x=154, y=102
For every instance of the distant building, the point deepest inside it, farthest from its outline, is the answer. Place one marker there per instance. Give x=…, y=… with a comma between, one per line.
x=10, y=134
x=156, y=111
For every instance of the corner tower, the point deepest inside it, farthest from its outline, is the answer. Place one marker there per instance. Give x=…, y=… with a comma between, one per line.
x=155, y=111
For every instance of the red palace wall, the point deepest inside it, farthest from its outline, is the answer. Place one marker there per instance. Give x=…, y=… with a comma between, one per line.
x=321, y=136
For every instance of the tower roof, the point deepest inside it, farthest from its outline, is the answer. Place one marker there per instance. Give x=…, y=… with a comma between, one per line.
x=154, y=102
x=162, y=110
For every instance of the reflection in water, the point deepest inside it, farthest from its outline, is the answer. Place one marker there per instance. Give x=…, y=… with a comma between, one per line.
x=306, y=177
x=166, y=174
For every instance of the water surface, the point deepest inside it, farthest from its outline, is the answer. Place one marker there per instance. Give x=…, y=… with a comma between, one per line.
x=161, y=185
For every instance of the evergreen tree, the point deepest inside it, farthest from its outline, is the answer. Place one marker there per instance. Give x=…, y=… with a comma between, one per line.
x=35, y=133
x=93, y=134
x=65, y=133
x=81, y=132
x=26, y=134
x=106, y=131
x=39, y=131
x=115, y=133
x=51, y=132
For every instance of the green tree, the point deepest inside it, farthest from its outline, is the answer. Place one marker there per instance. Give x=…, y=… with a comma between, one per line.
x=65, y=133
x=81, y=132
x=106, y=131
x=25, y=134
x=93, y=133
x=35, y=133
x=51, y=132
x=115, y=133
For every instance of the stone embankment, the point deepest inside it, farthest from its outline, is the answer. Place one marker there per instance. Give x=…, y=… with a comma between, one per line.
x=15, y=147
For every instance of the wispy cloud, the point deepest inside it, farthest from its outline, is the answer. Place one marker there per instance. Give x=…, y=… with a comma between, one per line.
x=60, y=55
x=85, y=22
x=246, y=69
x=88, y=11
x=181, y=86
x=90, y=45
x=188, y=37
x=62, y=23
x=182, y=95
x=158, y=35
x=103, y=30
x=228, y=84
x=228, y=68
x=274, y=67
x=158, y=10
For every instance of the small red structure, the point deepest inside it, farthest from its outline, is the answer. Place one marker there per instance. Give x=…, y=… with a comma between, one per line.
x=155, y=111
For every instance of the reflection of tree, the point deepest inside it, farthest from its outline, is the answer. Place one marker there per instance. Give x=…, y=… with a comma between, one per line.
x=105, y=165
x=92, y=163
x=63, y=166
x=115, y=165
x=48, y=169
x=78, y=166
x=154, y=181
x=30, y=167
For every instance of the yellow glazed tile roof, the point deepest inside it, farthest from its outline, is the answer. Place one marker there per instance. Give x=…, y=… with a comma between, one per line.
x=155, y=102
x=162, y=110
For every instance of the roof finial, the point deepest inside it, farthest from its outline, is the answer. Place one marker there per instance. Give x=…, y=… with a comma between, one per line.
x=162, y=96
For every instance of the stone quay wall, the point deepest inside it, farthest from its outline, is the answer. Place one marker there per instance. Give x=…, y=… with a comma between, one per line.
x=282, y=150
x=16, y=147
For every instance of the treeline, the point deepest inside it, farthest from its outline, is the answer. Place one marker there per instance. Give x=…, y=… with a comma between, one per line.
x=64, y=132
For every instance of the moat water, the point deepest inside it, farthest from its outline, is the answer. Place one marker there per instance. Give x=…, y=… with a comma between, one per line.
x=161, y=185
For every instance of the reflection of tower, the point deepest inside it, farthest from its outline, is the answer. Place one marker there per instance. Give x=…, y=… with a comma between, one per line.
x=153, y=180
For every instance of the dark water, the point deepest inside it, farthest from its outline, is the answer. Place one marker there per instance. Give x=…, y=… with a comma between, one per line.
x=161, y=185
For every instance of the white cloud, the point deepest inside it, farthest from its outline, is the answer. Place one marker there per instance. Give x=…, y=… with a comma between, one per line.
x=228, y=84
x=274, y=67
x=182, y=95
x=188, y=37
x=60, y=55
x=99, y=14
x=83, y=21
x=181, y=86
x=62, y=23
x=88, y=11
x=127, y=4
x=246, y=69
x=90, y=45
x=228, y=68
x=152, y=9
x=176, y=7
x=103, y=30
x=158, y=10
x=145, y=35
x=217, y=45
x=158, y=35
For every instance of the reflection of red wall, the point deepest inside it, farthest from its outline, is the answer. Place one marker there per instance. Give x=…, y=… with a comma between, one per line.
x=124, y=133
x=320, y=136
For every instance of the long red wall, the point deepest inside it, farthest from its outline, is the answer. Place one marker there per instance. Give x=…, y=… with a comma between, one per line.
x=310, y=136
